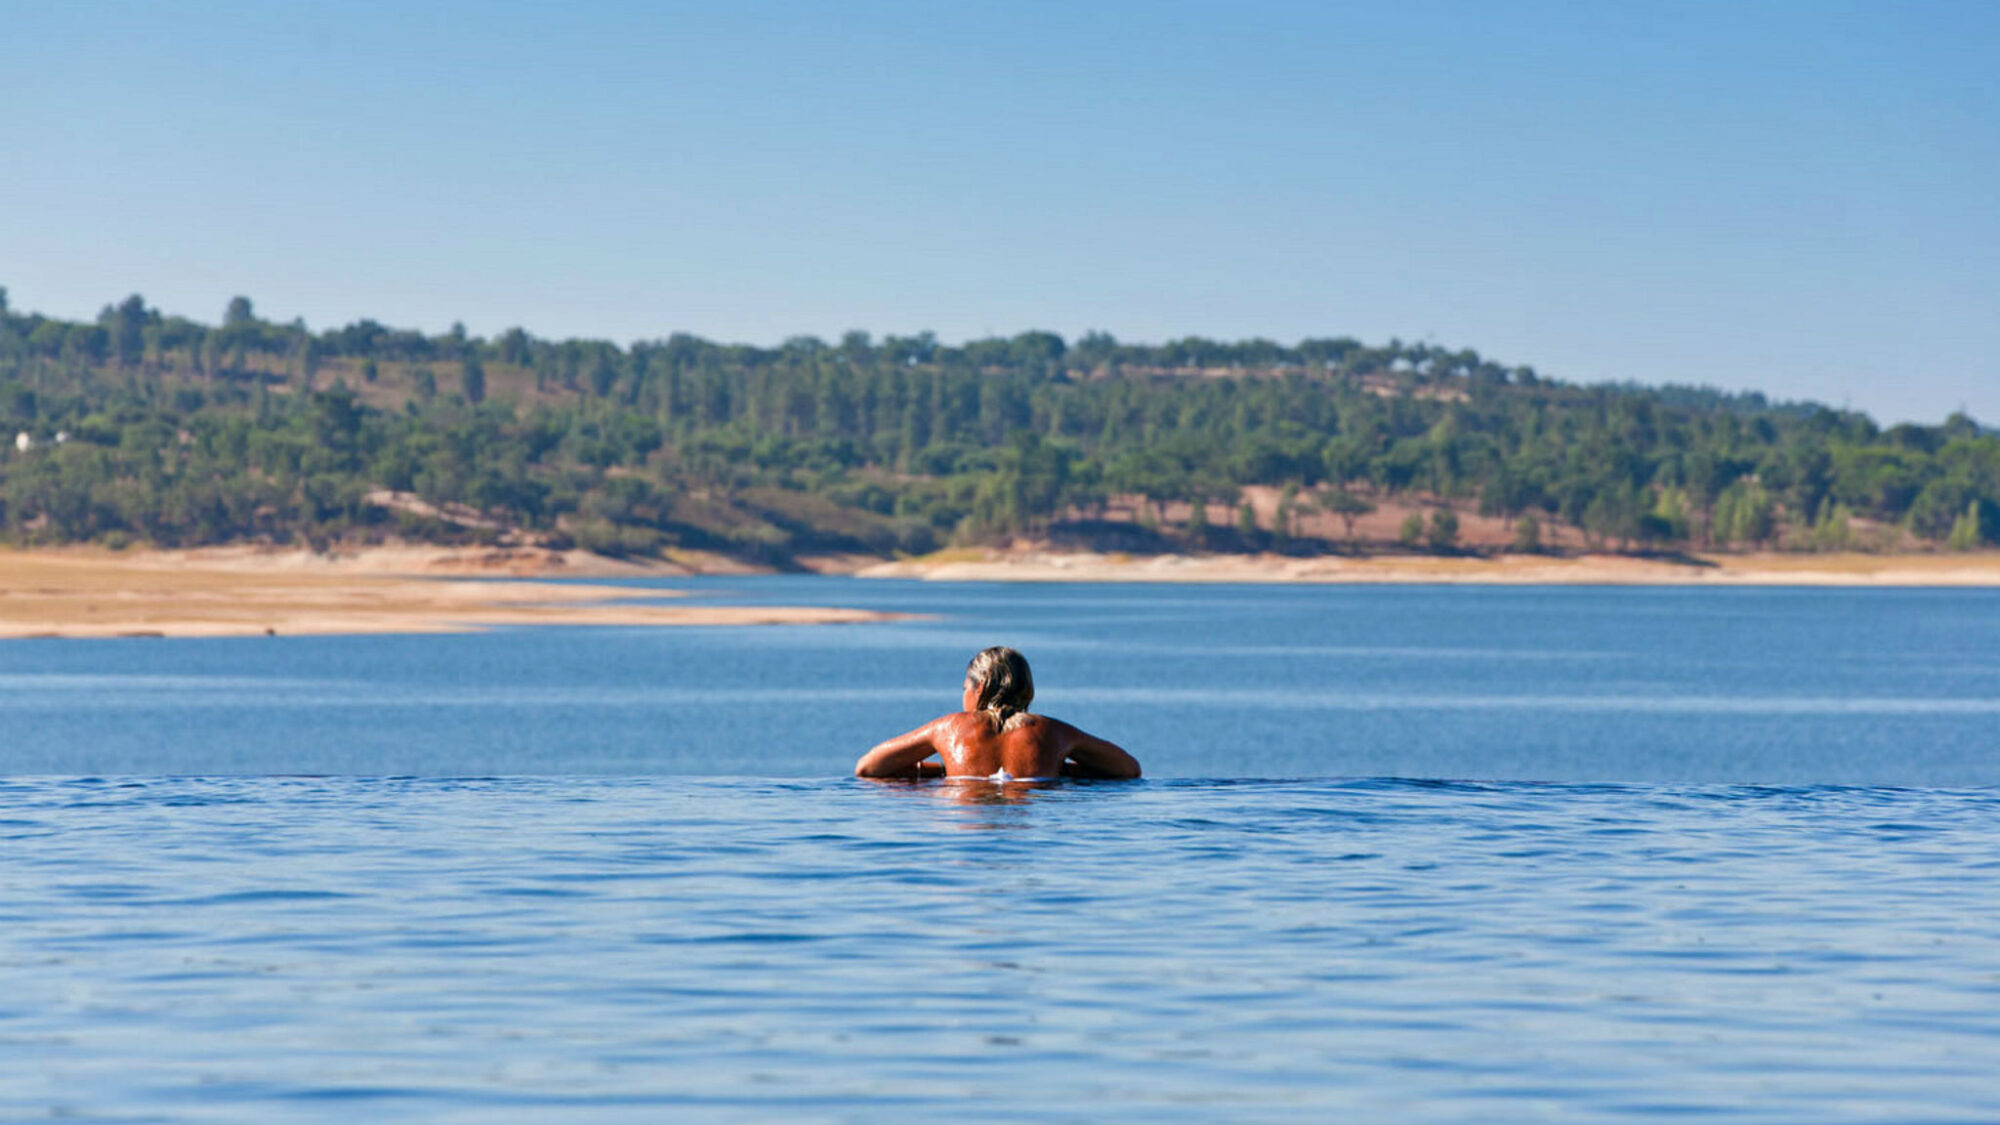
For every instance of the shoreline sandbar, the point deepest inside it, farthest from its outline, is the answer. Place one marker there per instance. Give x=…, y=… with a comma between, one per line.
x=1971, y=569
x=233, y=592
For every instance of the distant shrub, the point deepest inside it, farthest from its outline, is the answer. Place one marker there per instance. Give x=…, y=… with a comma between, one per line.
x=1443, y=532
x=1527, y=535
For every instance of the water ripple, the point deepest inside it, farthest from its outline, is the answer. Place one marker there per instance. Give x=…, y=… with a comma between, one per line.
x=499, y=949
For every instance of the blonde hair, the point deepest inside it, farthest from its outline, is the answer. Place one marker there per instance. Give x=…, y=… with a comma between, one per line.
x=1006, y=687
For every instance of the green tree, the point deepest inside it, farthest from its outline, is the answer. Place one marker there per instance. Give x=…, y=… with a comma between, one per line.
x=1974, y=528
x=1347, y=505
x=1614, y=513
x=1744, y=514
x=473, y=378
x=128, y=330
x=1281, y=519
x=1935, y=510
x=1442, y=535
x=1833, y=529
x=603, y=373
x=1412, y=531
x=515, y=347
x=87, y=343
x=1669, y=520
x=1528, y=535
x=310, y=358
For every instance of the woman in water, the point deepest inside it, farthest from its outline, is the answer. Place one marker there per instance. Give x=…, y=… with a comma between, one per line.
x=995, y=737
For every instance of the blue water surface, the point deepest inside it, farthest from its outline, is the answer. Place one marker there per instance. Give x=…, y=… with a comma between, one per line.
x=1725, y=854
x=1769, y=686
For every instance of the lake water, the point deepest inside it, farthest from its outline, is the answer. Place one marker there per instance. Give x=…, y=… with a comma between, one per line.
x=1733, y=853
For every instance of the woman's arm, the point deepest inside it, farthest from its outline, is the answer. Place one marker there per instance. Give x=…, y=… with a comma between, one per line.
x=902, y=756
x=1091, y=756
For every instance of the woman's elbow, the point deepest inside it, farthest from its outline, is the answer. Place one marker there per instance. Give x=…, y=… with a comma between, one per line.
x=884, y=761
x=1119, y=764
x=1122, y=766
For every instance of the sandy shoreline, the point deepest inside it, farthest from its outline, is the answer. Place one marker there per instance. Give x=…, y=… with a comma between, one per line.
x=1766, y=569
x=235, y=592
x=250, y=591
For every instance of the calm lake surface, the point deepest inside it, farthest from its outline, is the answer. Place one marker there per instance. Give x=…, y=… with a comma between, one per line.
x=1404, y=853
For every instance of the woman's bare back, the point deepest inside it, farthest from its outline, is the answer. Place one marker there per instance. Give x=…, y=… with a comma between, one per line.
x=1027, y=746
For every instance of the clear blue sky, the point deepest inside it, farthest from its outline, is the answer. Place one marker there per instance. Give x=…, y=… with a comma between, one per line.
x=1800, y=197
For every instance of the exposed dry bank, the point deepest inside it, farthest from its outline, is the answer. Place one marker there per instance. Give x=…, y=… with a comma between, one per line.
x=1845, y=569
x=245, y=592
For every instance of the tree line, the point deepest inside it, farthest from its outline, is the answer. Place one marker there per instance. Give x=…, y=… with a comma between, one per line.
x=144, y=427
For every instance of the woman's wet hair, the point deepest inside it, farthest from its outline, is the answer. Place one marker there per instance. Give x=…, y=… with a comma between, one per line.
x=1006, y=687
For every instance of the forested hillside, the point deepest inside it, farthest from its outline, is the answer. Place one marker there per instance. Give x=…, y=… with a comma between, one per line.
x=140, y=427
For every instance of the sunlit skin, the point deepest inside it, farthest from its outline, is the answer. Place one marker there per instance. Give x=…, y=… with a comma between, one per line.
x=966, y=745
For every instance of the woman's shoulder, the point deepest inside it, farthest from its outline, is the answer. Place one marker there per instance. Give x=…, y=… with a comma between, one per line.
x=960, y=720
x=1041, y=726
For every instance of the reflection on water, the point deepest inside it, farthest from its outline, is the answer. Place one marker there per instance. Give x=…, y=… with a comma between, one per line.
x=976, y=796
